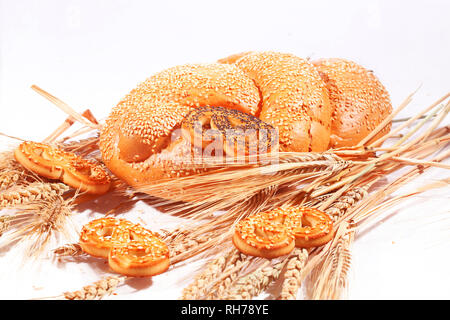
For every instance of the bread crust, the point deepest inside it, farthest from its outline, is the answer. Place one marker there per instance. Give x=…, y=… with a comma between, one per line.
x=136, y=142
x=289, y=93
x=359, y=101
x=294, y=99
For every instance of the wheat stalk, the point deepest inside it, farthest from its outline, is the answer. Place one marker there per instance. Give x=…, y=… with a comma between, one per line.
x=82, y=146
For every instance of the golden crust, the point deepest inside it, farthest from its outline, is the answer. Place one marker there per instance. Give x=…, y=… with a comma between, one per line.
x=264, y=235
x=358, y=99
x=294, y=99
x=130, y=249
x=53, y=163
x=234, y=57
x=139, y=127
x=157, y=105
x=286, y=91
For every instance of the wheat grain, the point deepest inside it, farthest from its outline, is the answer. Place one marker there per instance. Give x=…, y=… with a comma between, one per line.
x=4, y=223
x=252, y=284
x=11, y=172
x=292, y=280
x=346, y=201
x=199, y=287
x=237, y=262
x=96, y=291
x=71, y=249
x=32, y=192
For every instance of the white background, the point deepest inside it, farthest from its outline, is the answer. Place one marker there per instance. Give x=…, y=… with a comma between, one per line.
x=91, y=53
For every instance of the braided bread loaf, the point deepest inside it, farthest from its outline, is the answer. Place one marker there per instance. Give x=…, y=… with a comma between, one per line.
x=288, y=93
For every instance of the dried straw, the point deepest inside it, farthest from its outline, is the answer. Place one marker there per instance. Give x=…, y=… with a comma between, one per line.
x=37, y=222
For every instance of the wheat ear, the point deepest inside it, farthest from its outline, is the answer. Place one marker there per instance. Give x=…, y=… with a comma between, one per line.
x=292, y=275
x=202, y=281
x=32, y=192
x=96, y=291
x=252, y=284
x=68, y=250
x=4, y=223
x=237, y=262
x=11, y=172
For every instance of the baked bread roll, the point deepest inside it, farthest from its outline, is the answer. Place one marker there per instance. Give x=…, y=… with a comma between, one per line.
x=358, y=99
x=294, y=99
x=139, y=143
x=136, y=141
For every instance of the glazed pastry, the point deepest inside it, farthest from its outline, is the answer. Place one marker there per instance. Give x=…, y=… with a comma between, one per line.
x=130, y=249
x=358, y=99
x=53, y=163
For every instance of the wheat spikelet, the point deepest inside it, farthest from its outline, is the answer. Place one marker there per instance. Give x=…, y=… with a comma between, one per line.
x=96, y=291
x=233, y=268
x=252, y=284
x=4, y=223
x=32, y=192
x=292, y=280
x=329, y=278
x=199, y=287
x=185, y=245
x=340, y=267
x=37, y=222
x=11, y=172
x=71, y=249
x=346, y=201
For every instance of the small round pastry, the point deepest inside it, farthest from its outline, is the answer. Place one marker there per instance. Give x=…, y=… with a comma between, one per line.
x=99, y=236
x=144, y=256
x=53, y=163
x=41, y=159
x=264, y=235
x=294, y=99
x=86, y=176
x=130, y=249
x=358, y=99
x=311, y=227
